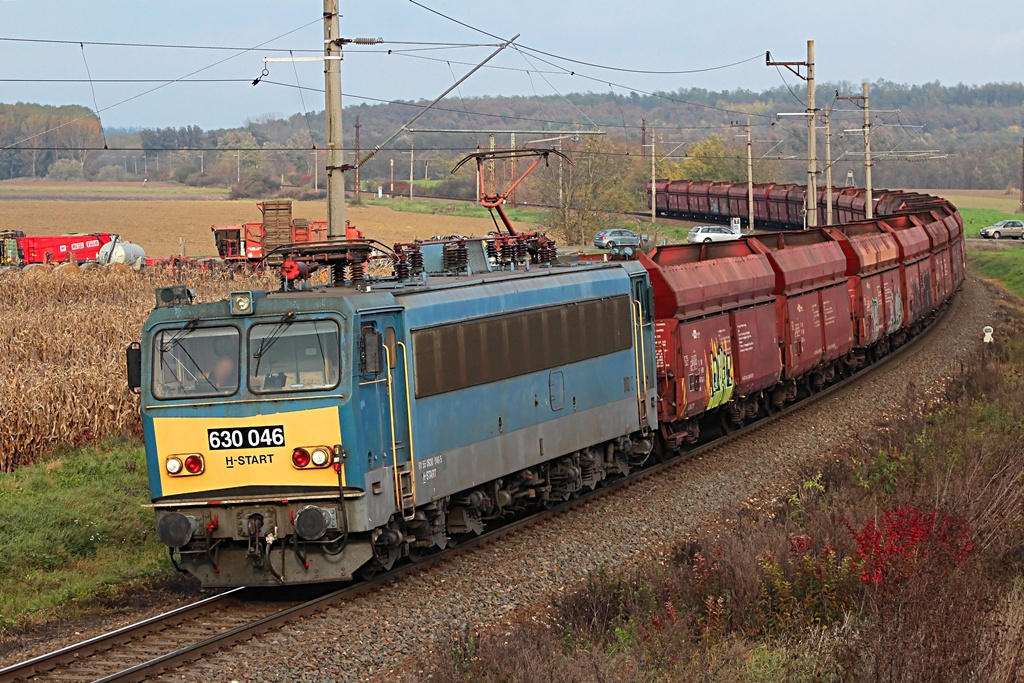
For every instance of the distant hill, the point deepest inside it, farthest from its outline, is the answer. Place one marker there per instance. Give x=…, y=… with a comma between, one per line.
x=936, y=136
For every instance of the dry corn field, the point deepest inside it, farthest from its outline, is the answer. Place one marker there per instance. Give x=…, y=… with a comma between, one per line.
x=157, y=225
x=63, y=344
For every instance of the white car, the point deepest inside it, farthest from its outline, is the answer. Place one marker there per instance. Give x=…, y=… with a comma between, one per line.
x=712, y=233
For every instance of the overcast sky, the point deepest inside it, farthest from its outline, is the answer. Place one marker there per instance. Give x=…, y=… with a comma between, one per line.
x=903, y=41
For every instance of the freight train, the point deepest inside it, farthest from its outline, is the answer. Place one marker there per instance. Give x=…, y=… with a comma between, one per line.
x=324, y=433
x=776, y=206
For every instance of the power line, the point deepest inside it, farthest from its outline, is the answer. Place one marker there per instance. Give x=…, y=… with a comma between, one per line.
x=172, y=46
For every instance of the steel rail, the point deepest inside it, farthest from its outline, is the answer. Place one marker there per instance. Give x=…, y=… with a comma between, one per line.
x=106, y=641
x=218, y=642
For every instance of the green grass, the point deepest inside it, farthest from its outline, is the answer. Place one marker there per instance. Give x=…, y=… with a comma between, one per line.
x=73, y=530
x=976, y=219
x=460, y=209
x=1005, y=266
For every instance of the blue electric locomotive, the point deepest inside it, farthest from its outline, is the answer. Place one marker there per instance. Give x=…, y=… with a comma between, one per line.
x=323, y=434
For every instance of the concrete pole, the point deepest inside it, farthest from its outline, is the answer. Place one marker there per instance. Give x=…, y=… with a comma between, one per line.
x=392, y=193
x=750, y=182
x=869, y=210
x=560, y=200
x=654, y=186
x=494, y=186
x=512, y=145
x=412, y=160
x=332, y=88
x=828, y=166
x=357, y=126
x=812, y=152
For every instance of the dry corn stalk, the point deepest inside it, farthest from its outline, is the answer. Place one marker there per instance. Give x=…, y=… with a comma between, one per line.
x=63, y=378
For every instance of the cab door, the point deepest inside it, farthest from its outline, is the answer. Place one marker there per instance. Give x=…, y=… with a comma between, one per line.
x=643, y=347
x=384, y=398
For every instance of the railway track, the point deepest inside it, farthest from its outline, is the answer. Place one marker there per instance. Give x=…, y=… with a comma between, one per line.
x=186, y=634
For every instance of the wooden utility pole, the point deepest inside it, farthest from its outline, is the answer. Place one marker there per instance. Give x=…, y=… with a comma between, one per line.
x=811, y=206
x=869, y=209
x=357, y=126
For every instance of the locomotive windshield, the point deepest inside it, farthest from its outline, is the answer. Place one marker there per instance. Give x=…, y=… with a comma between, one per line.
x=195, y=362
x=294, y=356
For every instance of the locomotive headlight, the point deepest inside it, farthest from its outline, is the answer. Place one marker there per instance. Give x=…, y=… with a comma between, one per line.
x=173, y=465
x=241, y=303
x=320, y=456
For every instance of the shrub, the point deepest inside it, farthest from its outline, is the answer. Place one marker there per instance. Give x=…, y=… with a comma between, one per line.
x=64, y=170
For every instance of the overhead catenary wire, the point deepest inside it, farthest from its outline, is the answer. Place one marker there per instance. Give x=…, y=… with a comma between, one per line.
x=174, y=46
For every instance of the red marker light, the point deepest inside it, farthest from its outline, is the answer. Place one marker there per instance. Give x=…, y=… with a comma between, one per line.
x=194, y=464
x=300, y=457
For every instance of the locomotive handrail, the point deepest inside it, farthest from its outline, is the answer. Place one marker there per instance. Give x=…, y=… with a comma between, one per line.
x=641, y=391
x=394, y=440
x=412, y=449
x=643, y=348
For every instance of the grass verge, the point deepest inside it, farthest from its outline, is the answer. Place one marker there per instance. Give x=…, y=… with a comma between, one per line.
x=898, y=560
x=74, y=532
x=1006, y=266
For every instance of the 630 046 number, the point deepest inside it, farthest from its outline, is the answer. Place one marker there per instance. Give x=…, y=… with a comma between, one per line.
x=245, y=437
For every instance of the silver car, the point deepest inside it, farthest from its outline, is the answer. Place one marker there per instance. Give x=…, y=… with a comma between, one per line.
x=1010, y=228
x=616, y=237
x=711, y=233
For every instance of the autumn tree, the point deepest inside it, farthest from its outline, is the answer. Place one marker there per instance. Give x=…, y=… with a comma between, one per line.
x=588, y=193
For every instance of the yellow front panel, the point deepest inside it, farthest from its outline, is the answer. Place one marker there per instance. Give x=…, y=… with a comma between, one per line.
x=244, y=466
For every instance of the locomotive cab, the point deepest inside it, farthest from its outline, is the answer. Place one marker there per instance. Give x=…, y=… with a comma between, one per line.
x=251, y=432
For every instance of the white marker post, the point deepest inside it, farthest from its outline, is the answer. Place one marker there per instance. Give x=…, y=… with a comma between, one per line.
x=988, y=333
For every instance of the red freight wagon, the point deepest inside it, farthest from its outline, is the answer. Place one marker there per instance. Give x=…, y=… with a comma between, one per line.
x=849, y=205
x=940, y=260
x=718, y=198
x=714, y=329
x=761, y=193
x=876, y=295
x=915, y=265
x=676, y=195
x=699, y=202
x=954, y=223
x=813, y=300
x=738, y=205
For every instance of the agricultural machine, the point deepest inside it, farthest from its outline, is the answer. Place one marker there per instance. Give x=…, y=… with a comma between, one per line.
x=251, y=243
x=19, y=249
